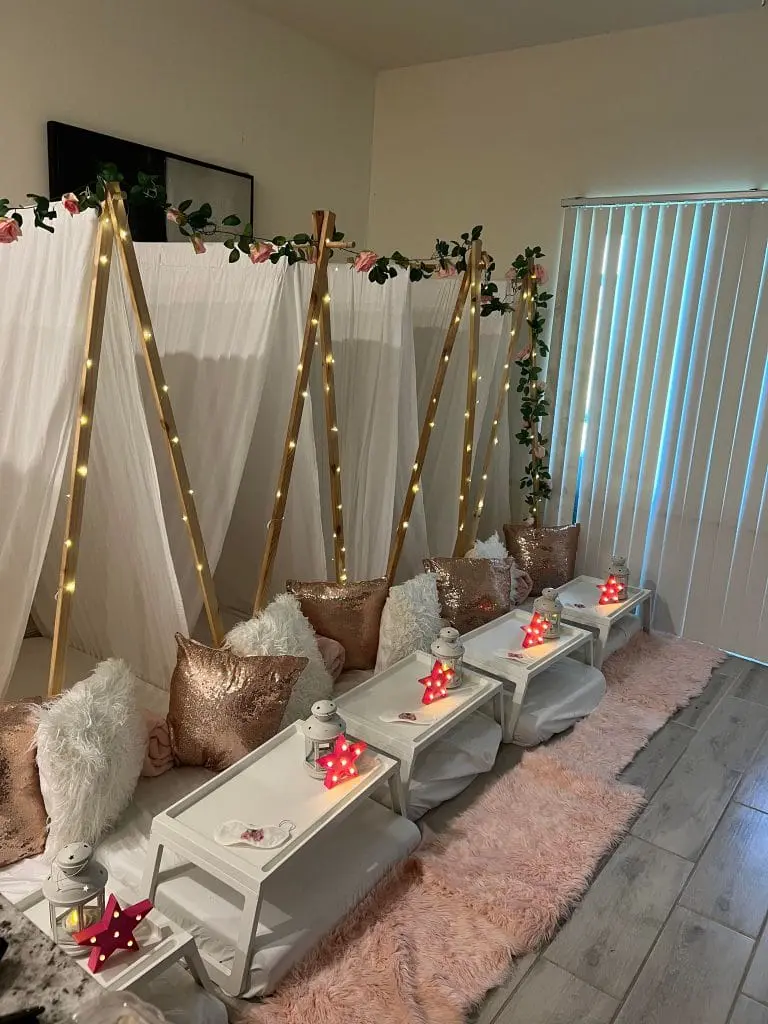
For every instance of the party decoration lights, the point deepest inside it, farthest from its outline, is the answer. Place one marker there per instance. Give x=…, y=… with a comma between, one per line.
x=114, y=931
x=339, y=764
x=535, y=631
x=436, y=684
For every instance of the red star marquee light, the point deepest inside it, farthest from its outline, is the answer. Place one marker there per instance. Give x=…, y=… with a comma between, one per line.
x=611, y=592
x=114, y=931
x=436, y=683
x=340, y=763
x=535, y=631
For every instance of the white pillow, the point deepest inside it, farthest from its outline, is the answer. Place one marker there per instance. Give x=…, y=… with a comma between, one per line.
x=282, y=629
x=410, y=620
x=492, y=548
x=91, y=743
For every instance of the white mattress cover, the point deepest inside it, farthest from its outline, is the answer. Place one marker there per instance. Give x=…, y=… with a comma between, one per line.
x=301, y=903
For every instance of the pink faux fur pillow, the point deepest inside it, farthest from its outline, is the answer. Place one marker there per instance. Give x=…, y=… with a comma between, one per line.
x=159, y=757
x=333, y=654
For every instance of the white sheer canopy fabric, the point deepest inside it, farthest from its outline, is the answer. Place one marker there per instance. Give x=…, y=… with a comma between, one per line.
x=661, y=425
x=216, y=327
x=44, y=288
x=433, y=302
x=127, y=602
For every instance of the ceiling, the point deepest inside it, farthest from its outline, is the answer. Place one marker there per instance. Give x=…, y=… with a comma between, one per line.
x=399, y=33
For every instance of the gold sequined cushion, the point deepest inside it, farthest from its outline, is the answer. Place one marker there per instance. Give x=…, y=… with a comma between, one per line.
x=472, y=591
x=22, y=811
x=347, y=612
x=546, y=553
x=223, y=706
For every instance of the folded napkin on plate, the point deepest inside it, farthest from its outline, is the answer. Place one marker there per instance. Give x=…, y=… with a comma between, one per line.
x=159, y=757
x=333, y=654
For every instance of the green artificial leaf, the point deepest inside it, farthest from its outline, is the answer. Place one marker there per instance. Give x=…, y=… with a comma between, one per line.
x=244, y=244
x=477, y=231
x=415, y=274
x=338, y=236
x=234, y=256
x=230, y=221
x=248, y=230
x=274, y=257
x=183, y=207
x=278, y=240
x=206, y=211
x=15, y=216
x=392, y=272
x=229, y=244
x=302, y=239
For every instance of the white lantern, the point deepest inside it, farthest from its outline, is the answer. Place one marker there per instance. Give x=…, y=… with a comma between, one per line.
x=75, y=892
x=449, y=651
x=320, y=734
x=551, y=610
x=620, y=572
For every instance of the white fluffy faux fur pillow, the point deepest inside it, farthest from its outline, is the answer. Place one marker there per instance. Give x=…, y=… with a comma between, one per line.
x=410, y=620
x=282, y=629
x=494, y=547
x=91, y=743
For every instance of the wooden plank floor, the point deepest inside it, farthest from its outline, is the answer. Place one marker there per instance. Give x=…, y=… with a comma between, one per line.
x=674, y=929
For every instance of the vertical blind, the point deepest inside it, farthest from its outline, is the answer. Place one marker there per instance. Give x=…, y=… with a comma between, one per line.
x=660, y=433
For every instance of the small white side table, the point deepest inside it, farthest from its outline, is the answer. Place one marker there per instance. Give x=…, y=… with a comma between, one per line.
x=265, y=786
x=165, y=945
x=580, y=600
x=397, y=690
x=497, y=649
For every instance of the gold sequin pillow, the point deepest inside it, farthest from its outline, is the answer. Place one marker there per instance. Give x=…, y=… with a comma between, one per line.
x=22, y=811
x=472, y=591
x=347, y=612
x=223, y=706
x=546, y=553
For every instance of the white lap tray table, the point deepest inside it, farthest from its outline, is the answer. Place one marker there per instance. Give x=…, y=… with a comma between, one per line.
x=505, y=634
x=267, y=908
x=580, y=600
x=396, y=690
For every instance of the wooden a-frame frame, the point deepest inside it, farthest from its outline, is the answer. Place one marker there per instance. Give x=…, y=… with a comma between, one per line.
x=113, y=232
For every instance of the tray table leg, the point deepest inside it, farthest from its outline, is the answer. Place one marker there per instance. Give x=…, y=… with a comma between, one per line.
x=406, y=768
x=152, y=867
x=518, y=696
x=246, y=940
x=645, y=612
x=500, y=714
x=397, y=795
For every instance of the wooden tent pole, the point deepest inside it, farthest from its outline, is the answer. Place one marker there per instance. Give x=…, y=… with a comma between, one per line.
x=493, y=438
x=465, y=481
x=327, y=222
x=116, y=207
x=427, y=426
x=331, y=421
x=81, y=445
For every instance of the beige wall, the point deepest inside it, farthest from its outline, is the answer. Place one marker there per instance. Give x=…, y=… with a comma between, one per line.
x=208, y=80
x=677, y=108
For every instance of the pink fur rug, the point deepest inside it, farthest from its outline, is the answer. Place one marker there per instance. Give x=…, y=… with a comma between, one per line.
x=442, y=928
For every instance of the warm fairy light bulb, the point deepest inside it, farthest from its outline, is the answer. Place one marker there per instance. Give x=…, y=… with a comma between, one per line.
x=165, y=388
x=469, y=447
x=485, y=476
x=343, y=577
x=457, y=320
x=326, y=299
x=334, y=429
x=415, y=467
x=495, y=440
x=315, y=321
x=495, y=423
x=123, y=233
x=291, y=444
x=461, y=497
x=506, y=366
x=300, y=367
x=304, y=394
x=82, y=471
x=338, y=469
x=147, y=335
x=185, y=519
x=506, y=386
x=446, y=357
x=466, y=415
x=199, y=566
x=329, y=359
x=83, y=421
x=415, y=488
x=70, y=587
x=431, y=424
x=327, y=388
x=103, y=260
x=474, y=375
x=88, y=364
x=190, y=491
x=405, y=524
x=175, y=439
x=68, y=542
x=480, y=503
x=338, y=507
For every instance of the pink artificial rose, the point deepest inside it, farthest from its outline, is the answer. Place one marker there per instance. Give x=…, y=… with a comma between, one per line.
x=365, y=261
x=197, y=244
x=524, y=353
x=449, y=270
x=538, y=452
x=71, y=203
x=540, y=273
x=9, y=230
x=511, y=274
x=173, y=215
x=260, y=252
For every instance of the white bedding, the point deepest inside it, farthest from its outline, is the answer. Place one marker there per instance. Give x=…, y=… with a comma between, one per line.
x=301, y=903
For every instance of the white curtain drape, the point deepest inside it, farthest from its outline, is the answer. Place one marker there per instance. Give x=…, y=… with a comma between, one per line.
x=660, y=442
x=433, y=302
x=127, y=603
x=41, y=353
x=216, y=326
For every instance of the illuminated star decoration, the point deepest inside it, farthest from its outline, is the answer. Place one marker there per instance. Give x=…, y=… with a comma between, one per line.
x=114, y=931
x=340, y=763
x=436, y=683
x=535, y=630
x=611, y=592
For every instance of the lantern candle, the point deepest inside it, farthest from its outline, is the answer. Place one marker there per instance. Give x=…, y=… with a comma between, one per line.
x=449, y=650
x=75, y=892
x=321, y=731
x=620, y=572
x=550, y=609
